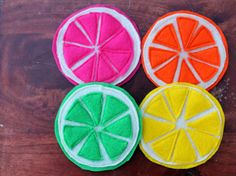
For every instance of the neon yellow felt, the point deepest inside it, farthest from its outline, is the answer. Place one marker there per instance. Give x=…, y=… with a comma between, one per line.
x=183, y=151
x=211, y=124
x=176, y=98
x=182, y=125
x=152, y=131
x=206, y=147
x=162, y=146
x=197, y=103
x=159, y=103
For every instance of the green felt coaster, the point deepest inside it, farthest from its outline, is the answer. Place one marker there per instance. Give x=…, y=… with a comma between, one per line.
x=98, y=126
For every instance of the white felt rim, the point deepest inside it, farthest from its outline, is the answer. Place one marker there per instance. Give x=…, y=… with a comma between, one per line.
x=106, y=91
x=125, y=22
x=148, y=149
x=172, y=20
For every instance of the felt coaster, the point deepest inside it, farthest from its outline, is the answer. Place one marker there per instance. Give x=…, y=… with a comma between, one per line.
x=182, y=125
x=98, y=126
x=183, y=46
x=97, y=44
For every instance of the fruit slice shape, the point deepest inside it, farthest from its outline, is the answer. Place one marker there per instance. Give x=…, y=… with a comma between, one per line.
x=182, y=125
x=99, y=44
x=183, y=46
x=98, y=126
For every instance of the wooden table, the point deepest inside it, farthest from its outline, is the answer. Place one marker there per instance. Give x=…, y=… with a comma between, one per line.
x=31, y=87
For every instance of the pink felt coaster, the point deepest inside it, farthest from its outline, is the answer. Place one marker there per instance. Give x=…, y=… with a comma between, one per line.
x=99, y=44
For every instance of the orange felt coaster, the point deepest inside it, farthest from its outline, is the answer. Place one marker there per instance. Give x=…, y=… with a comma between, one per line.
x=184, y=46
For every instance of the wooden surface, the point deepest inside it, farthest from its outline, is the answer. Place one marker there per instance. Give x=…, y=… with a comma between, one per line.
x=31, y=87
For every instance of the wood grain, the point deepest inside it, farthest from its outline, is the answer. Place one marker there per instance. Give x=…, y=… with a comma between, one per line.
x=31, y=87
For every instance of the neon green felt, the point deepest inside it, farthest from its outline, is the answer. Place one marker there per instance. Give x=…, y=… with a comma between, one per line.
x=114, y=147
x=113, y=108
x=91, y=105
x=115, y=127
x=90, y=149
x=93, y=102
x=73, y=135
x=76, y=112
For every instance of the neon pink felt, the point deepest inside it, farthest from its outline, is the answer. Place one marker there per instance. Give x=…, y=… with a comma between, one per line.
x=113, y=52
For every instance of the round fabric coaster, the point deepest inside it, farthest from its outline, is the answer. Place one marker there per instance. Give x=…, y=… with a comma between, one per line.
x=98, y=126
x=98, y=43
x=182, y=125
x=183, y=46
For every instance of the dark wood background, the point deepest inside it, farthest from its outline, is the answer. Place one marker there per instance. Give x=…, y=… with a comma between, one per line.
x=31, y=87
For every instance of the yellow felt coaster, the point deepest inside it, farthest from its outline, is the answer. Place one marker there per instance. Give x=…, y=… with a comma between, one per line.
x=182, y=125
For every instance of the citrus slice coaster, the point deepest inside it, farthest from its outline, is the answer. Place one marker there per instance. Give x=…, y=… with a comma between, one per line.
x=182, y=125
x=183, y=46
x=98, y=126
x=97, y=44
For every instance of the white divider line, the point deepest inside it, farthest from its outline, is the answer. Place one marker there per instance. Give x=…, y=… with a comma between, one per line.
x=173, y=149
x=73, y=123
x=193, y=145
x=78, y=147
x=80, y=27
x=178, y=69
x=117, y=51
x=175, y=25
x=202, y=48
x=104, y=97
x=108, y=61
x=95, y=68
x=161, y=136
x=118, y=117
x=164, y=63
x=78, y=44
x=204, y=132
x=200, y=115
x=117, y=136
x=168, y=105
x=207, y=63
x=183, y=111
x=193, y=33
x=163, y=47
x=111, y=37
x=196, y=30
x=103, y=151
x=86, y=108
x=82, y=61
x=147, y=115
x=98, y=29
x=193, y=71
